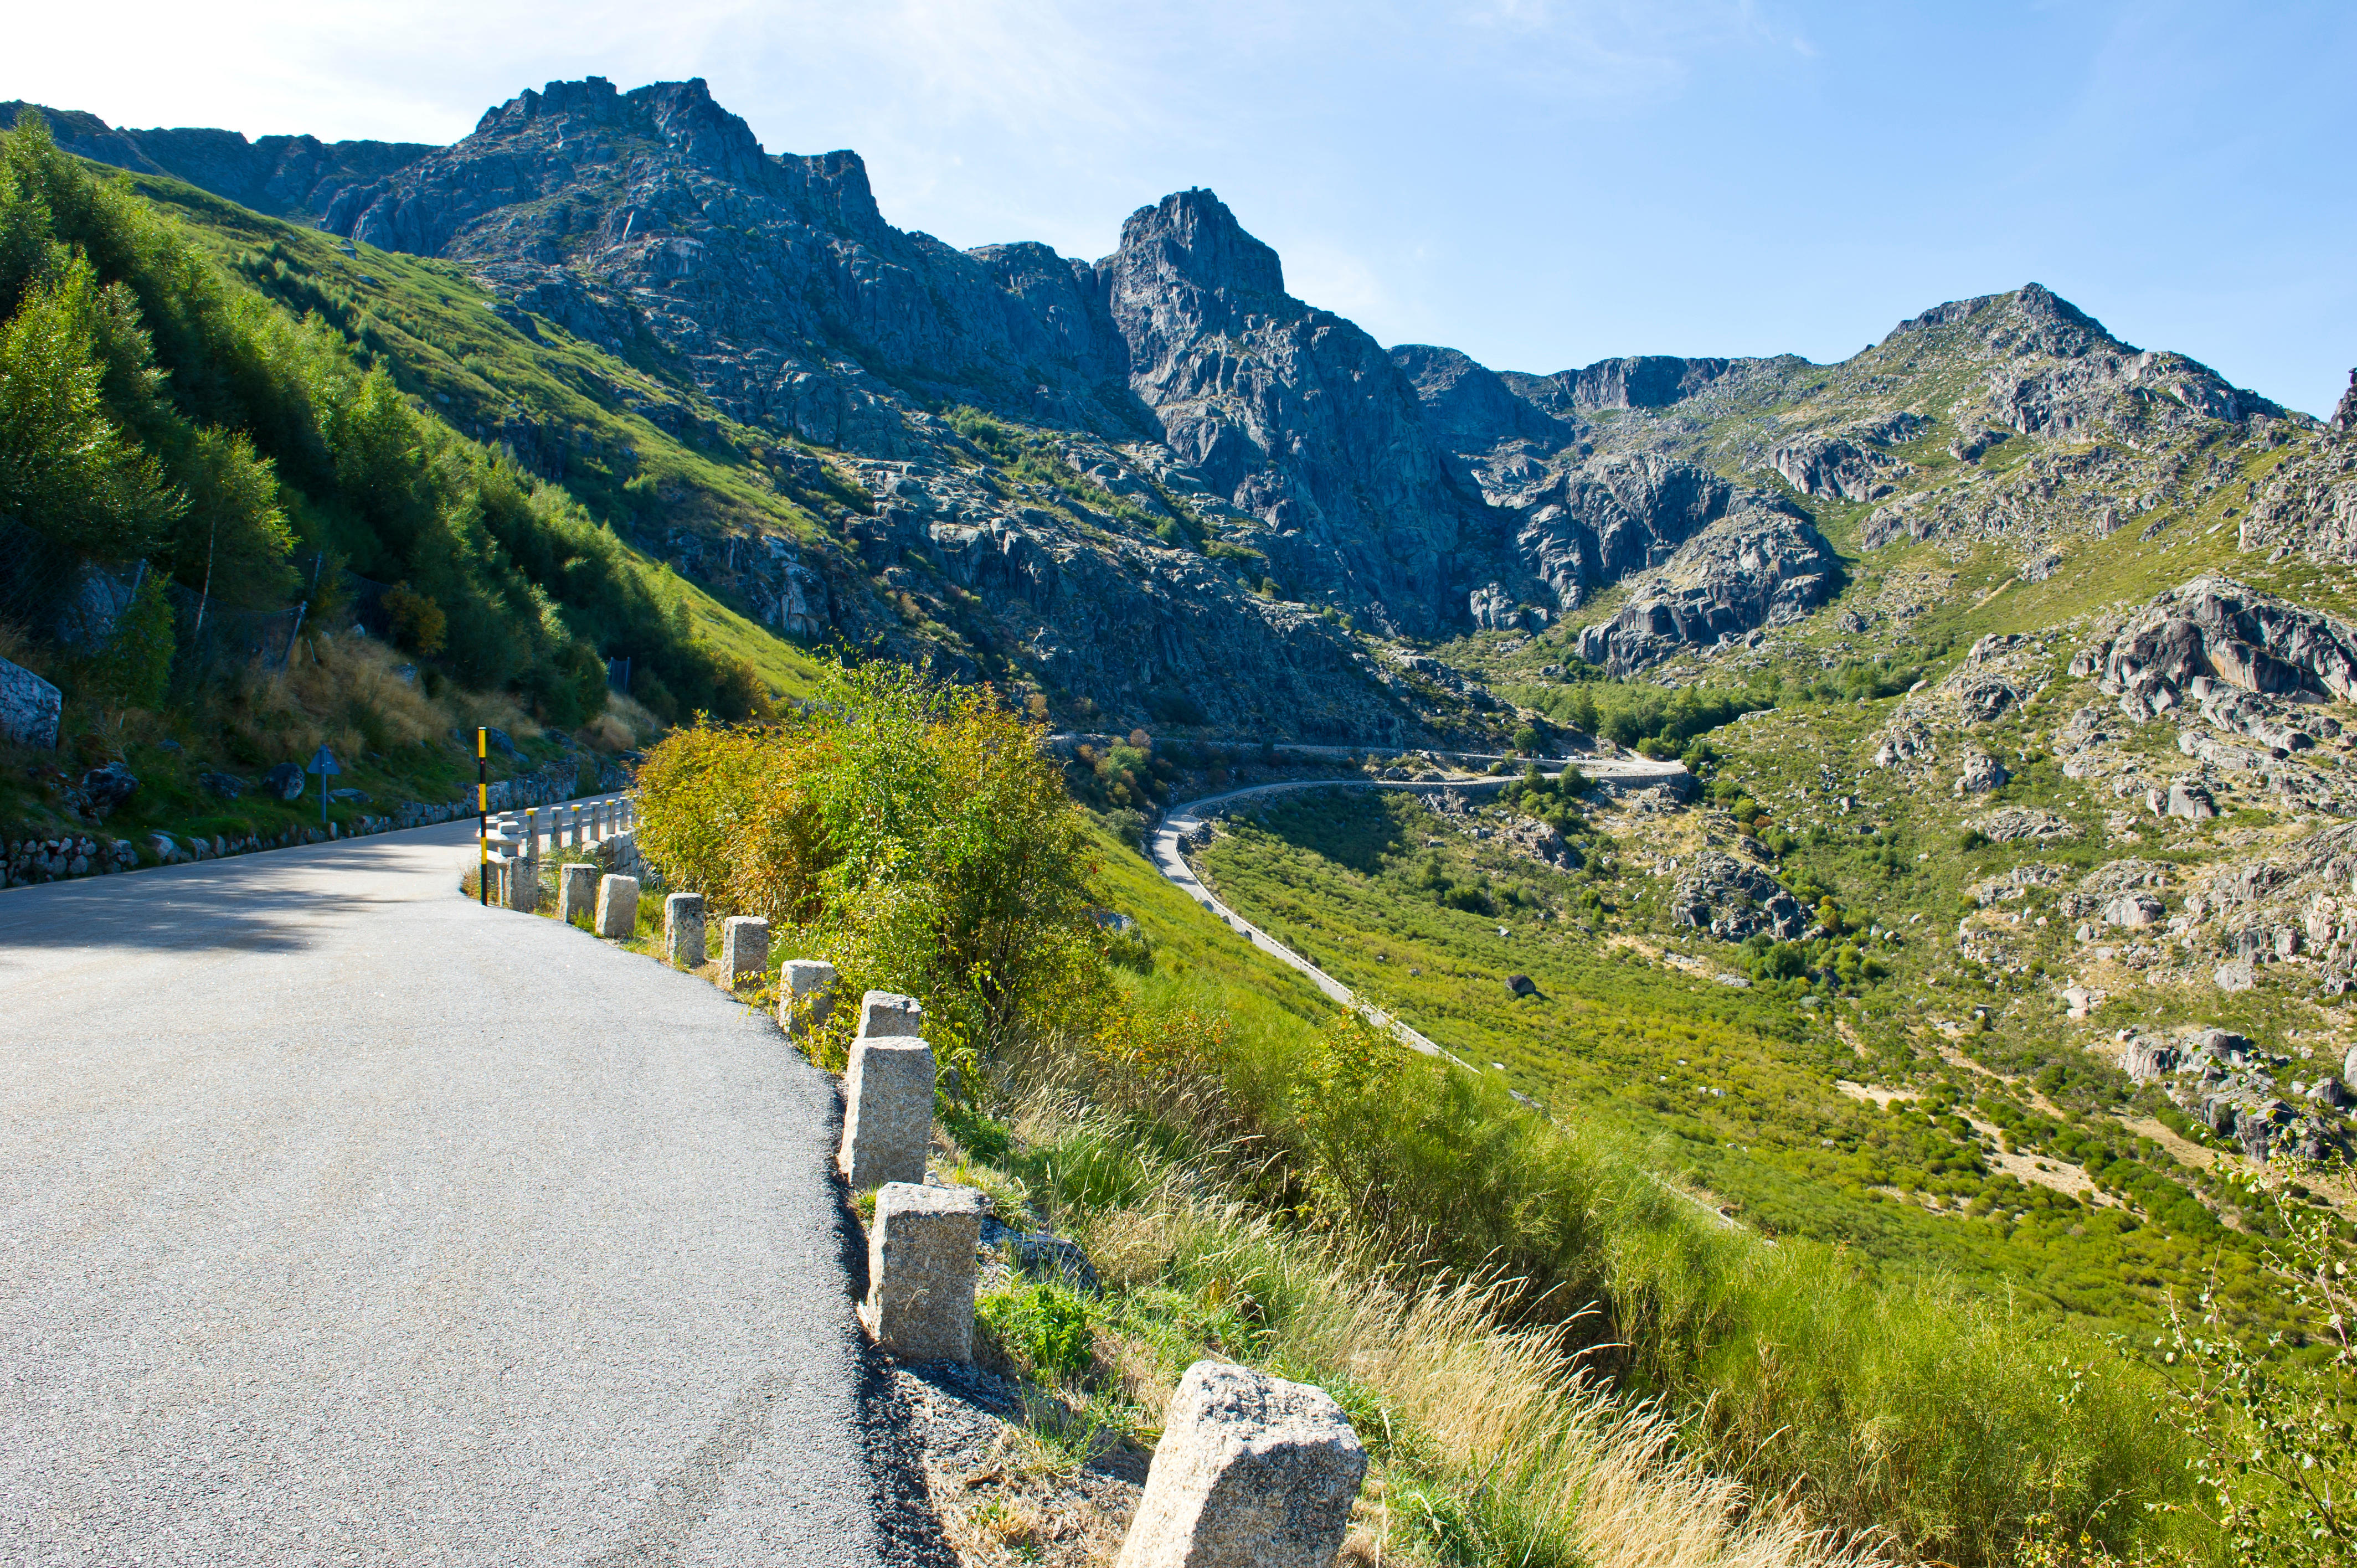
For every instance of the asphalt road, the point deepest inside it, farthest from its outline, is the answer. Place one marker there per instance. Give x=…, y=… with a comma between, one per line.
x=1167, y=846
x=343, y=1221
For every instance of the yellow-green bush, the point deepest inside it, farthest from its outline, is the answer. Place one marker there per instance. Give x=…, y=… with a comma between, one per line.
x=912, y=833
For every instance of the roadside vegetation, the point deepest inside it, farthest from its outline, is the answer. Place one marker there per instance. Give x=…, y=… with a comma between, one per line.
x=1261, y=1177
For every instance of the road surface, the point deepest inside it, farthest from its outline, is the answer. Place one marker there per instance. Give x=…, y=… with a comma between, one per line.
x=343, y=1220
x=1166, y=847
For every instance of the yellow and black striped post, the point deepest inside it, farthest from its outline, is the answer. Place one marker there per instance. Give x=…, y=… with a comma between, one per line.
x=482, y=817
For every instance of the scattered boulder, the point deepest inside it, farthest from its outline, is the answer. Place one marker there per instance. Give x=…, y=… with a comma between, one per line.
x=2191, y=802
x=2236, y=974
x=2014, y=824
x=2144, y=1060
x=1732, y=901
x=2134, y=911
x=1980, y=773
x=107, y=787
x=1908, y=739
x=1040, y=1255
x=221, y=785
x=1522, y=985
x=283, y=782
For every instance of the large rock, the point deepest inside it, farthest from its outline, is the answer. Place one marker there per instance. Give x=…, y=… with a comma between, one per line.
x=2218, y=630
x=1756, y=568
x=106, y=788
x=30, y=707
x=283, y=782
x=1978, y=773
x=1733, y=901
x=1251, y=1472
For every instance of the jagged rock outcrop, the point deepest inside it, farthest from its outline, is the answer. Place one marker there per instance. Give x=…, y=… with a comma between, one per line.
x=1756, y=568
x=1978, y=773
x=1641, y=381
x=1847, y=465
x=2219, y=631
x=1732, y=899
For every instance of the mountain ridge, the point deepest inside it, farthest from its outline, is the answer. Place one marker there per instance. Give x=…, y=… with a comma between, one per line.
x=1238, y=450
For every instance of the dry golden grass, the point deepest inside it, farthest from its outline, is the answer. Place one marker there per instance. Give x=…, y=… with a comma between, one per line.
x=1507, y=1404
x=607, y=734
x=644, y=727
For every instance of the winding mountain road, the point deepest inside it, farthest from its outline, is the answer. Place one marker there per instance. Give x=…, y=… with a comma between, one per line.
x=1166, y=847
x=343, y=1221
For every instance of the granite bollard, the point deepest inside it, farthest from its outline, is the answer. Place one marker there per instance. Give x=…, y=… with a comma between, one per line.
x=744, y=948
x=921, y=1271
x=576, y=891
x=888, y=1111
x=886, y=1013
x=617, y=906
x=806, y=997
x=1252, y=1472
x=684, y=929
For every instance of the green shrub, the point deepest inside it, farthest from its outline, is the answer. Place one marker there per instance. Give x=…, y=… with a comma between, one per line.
x=1042, y=1327
x=914, y=833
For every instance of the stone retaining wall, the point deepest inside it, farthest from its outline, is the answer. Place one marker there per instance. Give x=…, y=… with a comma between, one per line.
x=55, y=859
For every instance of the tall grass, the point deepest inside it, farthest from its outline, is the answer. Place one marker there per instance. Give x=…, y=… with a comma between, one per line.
x=1492, y=1443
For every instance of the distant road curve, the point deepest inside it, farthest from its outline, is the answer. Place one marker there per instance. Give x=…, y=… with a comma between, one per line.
x=1166, y=845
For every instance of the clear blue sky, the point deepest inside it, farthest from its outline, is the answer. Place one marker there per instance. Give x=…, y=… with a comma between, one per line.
x=1540, y=184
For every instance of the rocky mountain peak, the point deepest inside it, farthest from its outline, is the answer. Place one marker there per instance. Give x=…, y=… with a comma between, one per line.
x=682, y=115
x=2032, y=320
x=2345, y=416
x=1192, y=235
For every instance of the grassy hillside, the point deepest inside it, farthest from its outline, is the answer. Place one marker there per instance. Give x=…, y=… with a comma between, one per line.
x=279, y=448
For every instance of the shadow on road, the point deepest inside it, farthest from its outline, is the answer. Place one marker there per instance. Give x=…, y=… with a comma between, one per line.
x=262, y=903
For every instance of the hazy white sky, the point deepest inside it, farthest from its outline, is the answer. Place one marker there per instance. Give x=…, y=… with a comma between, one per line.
x=1541, y=183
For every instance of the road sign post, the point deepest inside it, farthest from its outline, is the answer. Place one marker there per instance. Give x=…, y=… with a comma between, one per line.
x=483, y=817
x=323, y=763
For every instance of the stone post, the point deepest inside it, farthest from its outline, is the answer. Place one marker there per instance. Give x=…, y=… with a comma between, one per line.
x=744, y=948
x=885, y=1012
x=520, y=882
x=888, y=1111
x=523, y=890
x=617, y=906
x=920, y=1271
x=806, y=996
x=684, y=929
x=576, y=891
x=1252, y=1472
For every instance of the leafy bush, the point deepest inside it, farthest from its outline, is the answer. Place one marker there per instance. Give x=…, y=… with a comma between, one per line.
x=1043, y=1326
x=914, y=833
